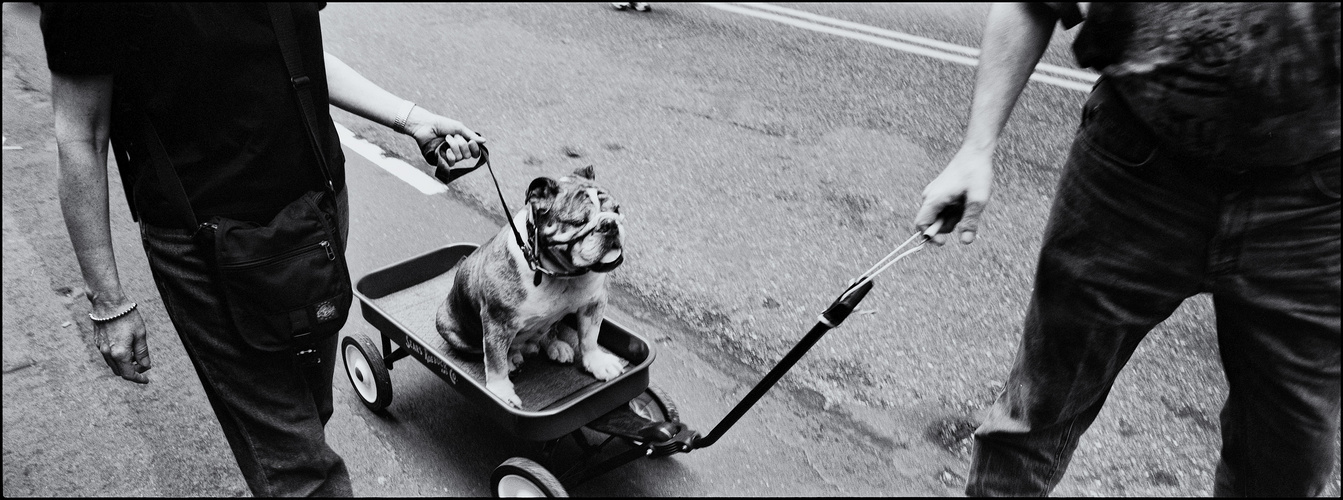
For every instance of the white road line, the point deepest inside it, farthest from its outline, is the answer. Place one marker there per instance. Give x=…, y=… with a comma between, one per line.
x=1084, y=85
x=402, y=170
x=1085, y=76
x=949, y=47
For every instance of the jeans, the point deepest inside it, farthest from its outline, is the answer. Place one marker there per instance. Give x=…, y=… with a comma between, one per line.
x=1135, y=230
x=272, y=406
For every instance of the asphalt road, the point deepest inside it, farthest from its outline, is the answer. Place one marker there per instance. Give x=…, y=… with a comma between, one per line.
x=760, y=167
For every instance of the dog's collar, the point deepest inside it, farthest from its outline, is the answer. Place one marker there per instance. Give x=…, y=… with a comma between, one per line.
x=532, y=252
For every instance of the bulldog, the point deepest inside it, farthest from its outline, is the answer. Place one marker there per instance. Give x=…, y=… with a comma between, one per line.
x=512, y=299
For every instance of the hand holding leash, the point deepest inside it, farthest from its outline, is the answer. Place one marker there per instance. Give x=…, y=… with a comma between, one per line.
x=963, y=187
x=432, y=131
x=447, y=170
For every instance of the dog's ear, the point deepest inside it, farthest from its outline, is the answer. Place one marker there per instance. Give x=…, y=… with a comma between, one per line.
x=542, y=188
x=586, y=173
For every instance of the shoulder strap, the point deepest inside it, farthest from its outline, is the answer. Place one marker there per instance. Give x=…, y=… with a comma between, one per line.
x=282, y=18
x=283, y=23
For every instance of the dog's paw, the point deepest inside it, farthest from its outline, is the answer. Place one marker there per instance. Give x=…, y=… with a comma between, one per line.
x=504, y=389
x=603, y=365
x=529, y=349
x=514, y=361
x=560, y=352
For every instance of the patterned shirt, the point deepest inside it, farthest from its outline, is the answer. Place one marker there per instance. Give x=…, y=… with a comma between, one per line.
x=1248, y=84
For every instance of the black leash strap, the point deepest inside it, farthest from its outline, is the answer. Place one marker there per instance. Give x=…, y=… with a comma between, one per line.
x=446, y=173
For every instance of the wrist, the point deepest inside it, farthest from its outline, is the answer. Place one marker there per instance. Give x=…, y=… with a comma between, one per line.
x=978, y=147
x=105, y=301
x=416, y=121
x=107, y=315
x=401, y=122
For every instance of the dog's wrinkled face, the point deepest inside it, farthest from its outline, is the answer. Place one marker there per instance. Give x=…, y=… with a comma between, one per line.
x=578, y=224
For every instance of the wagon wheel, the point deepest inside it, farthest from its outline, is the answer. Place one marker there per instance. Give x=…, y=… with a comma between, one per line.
x=520, y=477
x=368, y=374
x=654, y=405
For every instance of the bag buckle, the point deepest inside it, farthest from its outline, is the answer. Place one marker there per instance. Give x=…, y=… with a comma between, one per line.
x=308, y=357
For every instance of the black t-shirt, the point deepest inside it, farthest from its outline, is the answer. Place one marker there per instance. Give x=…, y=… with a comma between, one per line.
x=213, y=82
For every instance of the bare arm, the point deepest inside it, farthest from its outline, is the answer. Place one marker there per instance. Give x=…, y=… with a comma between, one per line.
x=82, y=106
x=352, y=92
x=1015, y=37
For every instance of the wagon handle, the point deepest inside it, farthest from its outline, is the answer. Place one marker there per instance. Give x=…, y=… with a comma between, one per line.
x=831, y=318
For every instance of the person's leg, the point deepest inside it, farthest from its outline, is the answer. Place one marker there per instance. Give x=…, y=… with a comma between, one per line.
x=272, y=406
x=1124, y=246
x=1277, y=302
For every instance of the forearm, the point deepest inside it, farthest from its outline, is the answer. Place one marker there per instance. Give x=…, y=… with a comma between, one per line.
x=351, y=92
x=82, y=112
x=1015, y=37
x=84, y=204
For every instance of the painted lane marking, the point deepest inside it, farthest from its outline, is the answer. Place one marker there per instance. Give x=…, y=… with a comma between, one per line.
x=402, y=170
x=1084, y=86
x=1076, y=74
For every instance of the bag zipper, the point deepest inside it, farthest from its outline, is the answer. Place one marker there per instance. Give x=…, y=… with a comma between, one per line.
x=326, y=245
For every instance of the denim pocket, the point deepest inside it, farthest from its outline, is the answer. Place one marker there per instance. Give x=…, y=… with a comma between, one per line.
x=1326, y=178
x=1111, y=133
x=1113, y=145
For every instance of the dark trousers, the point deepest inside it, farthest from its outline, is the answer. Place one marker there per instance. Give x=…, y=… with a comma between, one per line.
x=1133, y=232
x=273, y=406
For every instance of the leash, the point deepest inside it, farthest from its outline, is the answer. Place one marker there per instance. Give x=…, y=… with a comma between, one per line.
x=531, y=253
x=950, y=215
x=882, y=265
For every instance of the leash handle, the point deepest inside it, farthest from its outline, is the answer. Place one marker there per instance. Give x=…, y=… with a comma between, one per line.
x=946, y=219
x=933, y=229
x=447, y=173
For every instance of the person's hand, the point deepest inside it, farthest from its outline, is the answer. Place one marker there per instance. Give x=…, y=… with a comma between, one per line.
x=462, y=143
x=125, y=346
x=968, y=178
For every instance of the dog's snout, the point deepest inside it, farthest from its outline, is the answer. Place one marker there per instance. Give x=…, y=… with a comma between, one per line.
x=606, y=226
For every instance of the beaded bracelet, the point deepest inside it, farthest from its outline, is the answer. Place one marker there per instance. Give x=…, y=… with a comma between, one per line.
x=114, y=316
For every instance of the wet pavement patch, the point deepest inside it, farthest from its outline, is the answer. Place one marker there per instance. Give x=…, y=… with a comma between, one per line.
x=1126, y=429
x=1163, y=478
x=847, y=371
x=1188, y=412
x=952, y=434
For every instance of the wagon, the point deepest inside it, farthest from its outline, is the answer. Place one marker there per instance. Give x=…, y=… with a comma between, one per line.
x=629, y=418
